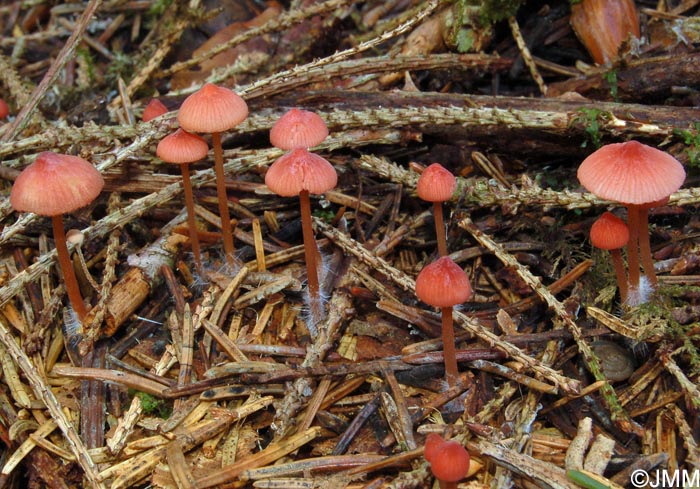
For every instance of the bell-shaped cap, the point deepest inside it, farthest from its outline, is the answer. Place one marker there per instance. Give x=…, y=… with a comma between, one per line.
x=182, y=147
x=212, y=109
x=443, y=283
x=609, y=232
x=56, y=184
x=436, y=184
x=451, y=462
x=631, y=173
x=299, y=171
x=298, y=129
x=154, y=109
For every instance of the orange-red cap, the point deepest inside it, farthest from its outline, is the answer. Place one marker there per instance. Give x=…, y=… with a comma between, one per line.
x=433, y=443
x=4, y=109
x=212, y=109
x=450, y=463
x=154, y=109
x=298, y=129
x=181, y=147
x=609, y=232
x=443, y=283
x=631, y=173
x=300, y=170
x=436, y=184
x=56, y=184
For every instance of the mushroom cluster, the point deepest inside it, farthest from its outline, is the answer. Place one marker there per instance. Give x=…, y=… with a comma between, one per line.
x=211, y=109
x=301, y=173
x=639, y=177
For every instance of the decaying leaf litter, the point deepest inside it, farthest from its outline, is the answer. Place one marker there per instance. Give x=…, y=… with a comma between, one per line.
x=178, y=379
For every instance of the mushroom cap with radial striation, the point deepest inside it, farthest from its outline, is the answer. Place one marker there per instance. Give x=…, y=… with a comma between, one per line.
x=450, y=462
x=298, y=128
x=155, y=108
x=182, y=147
x=609, y=232
x=443, y=283
x=299, y=170
x=212, y=109
x=56, y=184
x=436, y=184
x=631, y=173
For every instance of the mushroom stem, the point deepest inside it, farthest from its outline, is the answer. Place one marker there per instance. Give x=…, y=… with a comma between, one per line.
x=72, y=288
x=191, y=224
x=440, y=228
x=619, y=266
x=447, y=485
x=310, y=251
x=448, y=347
x=226, y=231
x=645, y=246
x=633, y=245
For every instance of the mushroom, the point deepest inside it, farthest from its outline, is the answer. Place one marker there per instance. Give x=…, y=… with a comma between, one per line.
x=610, y=233
x=215, y=109
x=298, y=128
x=444, y=284
x=155, y=108
x=437, y=184
x=184, y=148
x=53, y=185
x=4, y=109
x=449, y=460
x=300, y=173
x=635, y=175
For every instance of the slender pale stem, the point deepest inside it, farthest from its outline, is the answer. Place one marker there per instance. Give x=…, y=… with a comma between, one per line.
x=226, y=230
x=633, y=245
x=440, y=228
x=620, y=273
x=448, y=347
x=191, y=224
x=309, y=247
x=64, y=261
x=645, y=246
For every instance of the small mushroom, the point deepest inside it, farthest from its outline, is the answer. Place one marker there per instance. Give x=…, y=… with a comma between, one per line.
x=183, y=148
x=300, y=173
x=53, y=185
x=610, y=233
x=449, y=460
x=437, y=184
x=4, y=109
x=298, y=128
x=155, y=108
x=617, y=363
x=444, y=284
x=213, y=109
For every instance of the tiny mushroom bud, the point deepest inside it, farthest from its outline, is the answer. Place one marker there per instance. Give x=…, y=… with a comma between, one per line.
x=298, y=129
x=444, y=284
x=611, y=233
x=215, y=109
x=53, y=185
x=184, y=148
x=437, y=184
x=155, y=108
